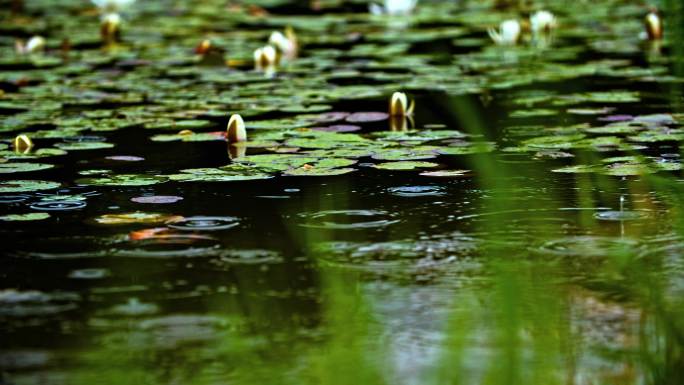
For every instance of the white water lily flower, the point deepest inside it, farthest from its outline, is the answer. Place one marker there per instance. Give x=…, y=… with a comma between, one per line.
x=394, y=7
x=33, y=45
x=236, y=132
x=508, y=33
x=654, y=26
x=278, y=40
x=265, y=57
x=400, y=106
x=286, y=44
x=112, y=5
x=542, y=22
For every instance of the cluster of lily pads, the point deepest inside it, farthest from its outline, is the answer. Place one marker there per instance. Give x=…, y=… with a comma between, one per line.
x=65, y=92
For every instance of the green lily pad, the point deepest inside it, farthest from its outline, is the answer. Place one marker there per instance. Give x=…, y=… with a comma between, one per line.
x=318, y=171
x=9, y=168
x=11, y=186
x=404, y=165
x=25, y=217
x=123, y=180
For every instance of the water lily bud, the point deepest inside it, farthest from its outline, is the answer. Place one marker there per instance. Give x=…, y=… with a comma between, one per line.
x=654, y=25
x=399, y=105
x=236, y=131
x=265, y=57
x=22, y=144
x=33, y=45
x=508, y=33
x=542, y=22
x=203, y=47
x=110, y=27
x=185, y=132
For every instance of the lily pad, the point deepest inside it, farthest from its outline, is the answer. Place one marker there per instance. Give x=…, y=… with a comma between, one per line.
x=404, y=165
x=135, y=217
x=318, y=171
x=11, y=186
x=24, y=217
x=123, y=180
x=10, y=168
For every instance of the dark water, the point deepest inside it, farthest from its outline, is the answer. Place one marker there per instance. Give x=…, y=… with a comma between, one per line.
x=506, y=273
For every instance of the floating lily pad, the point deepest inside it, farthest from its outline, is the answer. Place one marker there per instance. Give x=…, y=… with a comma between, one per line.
x=135, y=217
x=10, y=168
x=318, y=171
x=11, y=186
x=24, y=217
x=446, y=173
x=576, y=169
x=157, y=199
x=123, y=180
x=404, y=165
x=366, y=117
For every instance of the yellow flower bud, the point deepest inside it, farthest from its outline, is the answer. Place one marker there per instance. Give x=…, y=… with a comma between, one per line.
x=236, y=131
x=400, y=106
x=22, y=144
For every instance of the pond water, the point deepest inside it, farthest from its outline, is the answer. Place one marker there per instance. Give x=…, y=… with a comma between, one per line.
x=523, y=226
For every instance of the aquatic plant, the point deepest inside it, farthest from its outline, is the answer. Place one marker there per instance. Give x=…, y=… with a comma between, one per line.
x=265, y=58
x=285, y=44
x=400, y=106
x=22, y=144
x=654, y=25
x=34, y=45
x=542, y=22
x=110, y=27
x=235, y=131
x=507, y=34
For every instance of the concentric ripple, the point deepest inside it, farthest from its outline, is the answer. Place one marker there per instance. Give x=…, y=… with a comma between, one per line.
x=348, y=219
x=58, y=205
x=588, y=246
x=404, y=256
x=416, y=191
x=204, y=223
